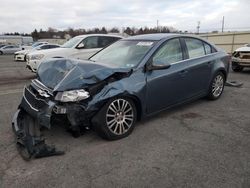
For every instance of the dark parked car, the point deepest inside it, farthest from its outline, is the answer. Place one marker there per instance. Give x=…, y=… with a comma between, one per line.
x=129, y=80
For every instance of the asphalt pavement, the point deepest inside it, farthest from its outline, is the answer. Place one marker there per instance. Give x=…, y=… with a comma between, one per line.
x=201, y=144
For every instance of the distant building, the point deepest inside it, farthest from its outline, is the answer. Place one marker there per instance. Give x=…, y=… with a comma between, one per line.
x=15, y=39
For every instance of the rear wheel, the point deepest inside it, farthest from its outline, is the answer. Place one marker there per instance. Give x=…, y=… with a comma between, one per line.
x=1, y=53
x=216, y=86
x=116, y=119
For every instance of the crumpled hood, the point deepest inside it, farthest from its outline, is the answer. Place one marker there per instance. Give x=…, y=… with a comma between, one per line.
x=62, y=74
x=243, y=49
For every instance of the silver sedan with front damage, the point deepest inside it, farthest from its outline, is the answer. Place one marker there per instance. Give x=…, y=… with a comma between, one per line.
x=129, y=80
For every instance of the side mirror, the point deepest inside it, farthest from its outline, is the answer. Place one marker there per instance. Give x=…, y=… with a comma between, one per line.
x=80, y=46
x=157, y=66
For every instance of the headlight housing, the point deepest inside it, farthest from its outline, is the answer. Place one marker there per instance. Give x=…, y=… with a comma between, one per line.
x=36, y=57
x=72, y=96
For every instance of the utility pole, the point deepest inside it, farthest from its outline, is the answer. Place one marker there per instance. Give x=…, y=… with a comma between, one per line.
x=157, y=25
x=198, y=27
x=222, y=27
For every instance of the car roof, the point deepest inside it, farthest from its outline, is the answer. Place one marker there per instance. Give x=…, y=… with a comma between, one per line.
x=154, y=36
x=105, y=35
x=49, y=44
x=160, y=36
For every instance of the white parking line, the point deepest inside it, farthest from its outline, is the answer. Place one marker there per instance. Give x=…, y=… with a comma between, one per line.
x=13, y=91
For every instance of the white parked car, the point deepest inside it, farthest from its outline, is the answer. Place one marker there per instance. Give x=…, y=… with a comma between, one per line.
x=79, y=47
x=21, y=55
x=35, y=44
x=241, y=58
x=9, y=49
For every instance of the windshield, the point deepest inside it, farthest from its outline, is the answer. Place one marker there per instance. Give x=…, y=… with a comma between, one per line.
x=123, y=54
x=71, y=43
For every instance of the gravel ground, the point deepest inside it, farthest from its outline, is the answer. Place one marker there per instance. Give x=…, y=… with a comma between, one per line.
x=201, y=144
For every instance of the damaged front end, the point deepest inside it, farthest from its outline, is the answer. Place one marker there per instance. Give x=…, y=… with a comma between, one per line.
x=65, y=91
x=33, y=113
x=241, y=58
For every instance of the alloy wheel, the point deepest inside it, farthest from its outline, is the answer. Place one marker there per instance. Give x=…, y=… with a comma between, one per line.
x=218, y=85
x=119, y=116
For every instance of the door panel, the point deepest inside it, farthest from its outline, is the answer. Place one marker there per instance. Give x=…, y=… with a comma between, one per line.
x=199, y=75
x=199, y=63
x=166, y=87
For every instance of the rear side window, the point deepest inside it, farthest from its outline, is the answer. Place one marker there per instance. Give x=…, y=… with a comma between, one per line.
x=170, y=52
x=105, y=41
x=195, y=47
x=208, y=48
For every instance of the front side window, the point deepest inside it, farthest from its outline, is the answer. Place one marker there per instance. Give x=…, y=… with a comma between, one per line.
x=90, y=42
x=169, y=53
x=195, y=47
x=72, y=42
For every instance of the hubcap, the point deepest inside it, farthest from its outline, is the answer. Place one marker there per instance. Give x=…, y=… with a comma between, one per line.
x=218, y=85
x=119, y=116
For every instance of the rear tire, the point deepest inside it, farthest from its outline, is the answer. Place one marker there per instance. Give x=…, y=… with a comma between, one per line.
x=217, y=86
x=116, y=119
x=1, y=53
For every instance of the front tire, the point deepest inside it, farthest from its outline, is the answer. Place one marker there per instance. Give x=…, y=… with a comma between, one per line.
x=217, y=86
x=116, y=119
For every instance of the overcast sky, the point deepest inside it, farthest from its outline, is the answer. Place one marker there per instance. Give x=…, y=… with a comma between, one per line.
x=26, y=15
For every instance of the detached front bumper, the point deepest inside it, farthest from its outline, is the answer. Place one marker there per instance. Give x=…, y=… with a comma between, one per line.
x=38, y=109
x=33, y=113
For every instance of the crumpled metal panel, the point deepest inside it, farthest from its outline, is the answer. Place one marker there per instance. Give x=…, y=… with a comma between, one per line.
x=62, y=74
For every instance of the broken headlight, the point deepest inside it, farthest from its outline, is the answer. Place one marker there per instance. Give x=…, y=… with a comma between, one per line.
x=72, y=96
